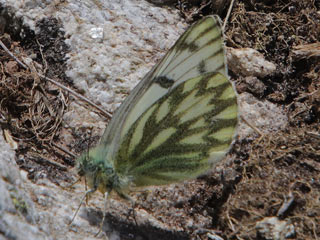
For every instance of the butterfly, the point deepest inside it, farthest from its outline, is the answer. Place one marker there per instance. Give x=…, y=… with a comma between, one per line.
x=176, y=124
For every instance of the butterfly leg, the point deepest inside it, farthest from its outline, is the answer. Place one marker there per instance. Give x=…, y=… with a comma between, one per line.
x=84, y=197
x=72, y=184
x=106, y=197
x=133, y=205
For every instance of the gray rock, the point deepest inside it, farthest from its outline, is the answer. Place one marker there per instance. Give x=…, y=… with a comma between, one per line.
x=113, y=45
x=17, y=213
x=249, y=62
x=275, y=229
x=267, y=117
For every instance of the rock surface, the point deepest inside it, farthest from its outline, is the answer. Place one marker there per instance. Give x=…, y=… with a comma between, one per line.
x=113, y=44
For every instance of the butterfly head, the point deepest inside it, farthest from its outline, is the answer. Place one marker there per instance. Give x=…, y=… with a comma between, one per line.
x=99, y=172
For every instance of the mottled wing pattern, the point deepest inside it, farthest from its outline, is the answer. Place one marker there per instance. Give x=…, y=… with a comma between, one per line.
x=198, y=51
x=183, y=134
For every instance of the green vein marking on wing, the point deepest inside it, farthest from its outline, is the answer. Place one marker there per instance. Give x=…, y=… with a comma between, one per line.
x=181, y=135
x=206, y=34
x=198, y=51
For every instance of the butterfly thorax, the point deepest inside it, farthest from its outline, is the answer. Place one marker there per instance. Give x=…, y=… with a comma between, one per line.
x=99, y=172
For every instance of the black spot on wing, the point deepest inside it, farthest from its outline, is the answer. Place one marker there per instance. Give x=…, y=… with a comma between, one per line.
x=193, y=47
x=202, y=67
x=164, y=81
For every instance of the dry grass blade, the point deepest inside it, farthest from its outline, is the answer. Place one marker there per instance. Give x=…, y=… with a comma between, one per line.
x=33, y=108
x=105, y=113
x=307, y=50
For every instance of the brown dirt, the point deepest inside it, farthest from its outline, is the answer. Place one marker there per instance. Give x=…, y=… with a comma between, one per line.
x=268, y=169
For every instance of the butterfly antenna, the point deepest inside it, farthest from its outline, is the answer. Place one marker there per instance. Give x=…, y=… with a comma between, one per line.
x=89, y=143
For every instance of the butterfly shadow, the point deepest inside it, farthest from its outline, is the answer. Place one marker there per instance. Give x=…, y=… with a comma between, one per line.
x=128, y=229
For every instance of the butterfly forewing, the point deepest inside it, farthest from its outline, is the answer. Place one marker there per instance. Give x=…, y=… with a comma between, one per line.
x=198, y=51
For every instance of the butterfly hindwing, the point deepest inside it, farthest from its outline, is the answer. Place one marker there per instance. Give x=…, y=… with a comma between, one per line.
x=181, y=135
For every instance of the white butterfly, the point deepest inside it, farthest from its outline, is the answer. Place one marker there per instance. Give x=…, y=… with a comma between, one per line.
x=176, y=123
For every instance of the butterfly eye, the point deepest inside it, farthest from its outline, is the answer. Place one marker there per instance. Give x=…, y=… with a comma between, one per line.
x=81, y=171
x=85, y=165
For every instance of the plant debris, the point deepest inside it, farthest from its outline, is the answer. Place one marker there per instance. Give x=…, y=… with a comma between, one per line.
x=275, y=176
